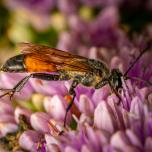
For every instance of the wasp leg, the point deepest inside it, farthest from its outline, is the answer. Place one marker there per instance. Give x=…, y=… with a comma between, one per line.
x=119, y=98
x=101, y=84
x=17, y=87
x=116, y=93
x=71, y=92
x=21, y=83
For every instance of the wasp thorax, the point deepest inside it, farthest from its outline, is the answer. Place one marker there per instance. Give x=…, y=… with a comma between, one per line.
x=14, y=64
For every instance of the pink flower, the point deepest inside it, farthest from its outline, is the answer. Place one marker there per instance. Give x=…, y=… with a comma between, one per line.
x=7, y=121
x=30, y=138
x=49, y=88
x=56, y=107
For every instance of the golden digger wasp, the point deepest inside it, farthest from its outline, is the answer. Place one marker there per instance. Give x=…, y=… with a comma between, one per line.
x=37, y=60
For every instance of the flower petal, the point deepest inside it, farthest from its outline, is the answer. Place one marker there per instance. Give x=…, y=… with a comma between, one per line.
x=70, y=149
x=148, y=144
x=133, y=138
x=101, y=94
x=119, y=140
x=85, y=105
x=137, y=107
x=6, y=107
x=49, y=88
x=22, y=111
x=39, y=121
x=52, y=143
x=56, y=107
x=7, y=127
x=85, y=149
x=29, y=139
x=104, y=118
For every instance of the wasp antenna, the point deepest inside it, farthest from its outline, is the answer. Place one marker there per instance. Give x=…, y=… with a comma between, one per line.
x=139, y=56
x=139, y=79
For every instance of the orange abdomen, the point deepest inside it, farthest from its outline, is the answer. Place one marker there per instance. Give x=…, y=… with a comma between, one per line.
x=34, y=65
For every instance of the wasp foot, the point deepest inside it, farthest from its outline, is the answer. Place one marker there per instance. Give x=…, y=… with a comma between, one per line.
x=9, y=92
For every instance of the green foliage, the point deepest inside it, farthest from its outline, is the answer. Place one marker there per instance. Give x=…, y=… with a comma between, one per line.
x=4, y=18
x=48, y=37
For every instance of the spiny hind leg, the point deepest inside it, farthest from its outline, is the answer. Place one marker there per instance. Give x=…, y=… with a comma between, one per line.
x=71, y=92
x=21, y=83
x=16, y=88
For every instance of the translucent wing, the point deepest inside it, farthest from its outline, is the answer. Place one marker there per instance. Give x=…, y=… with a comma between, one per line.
x=57, y=59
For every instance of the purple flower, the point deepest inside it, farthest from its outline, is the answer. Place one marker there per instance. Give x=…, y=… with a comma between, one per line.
x=140, y=70
x=30, y=138
x=33, y=5
x=36, y=12
x=101, y=3
x=107, y=35
x=49, y=88
x=111, y=123
x=56, y=107
x=22, y=111
x=104, y=118
x=7, y=121
x=67, y=6
x=39, y=121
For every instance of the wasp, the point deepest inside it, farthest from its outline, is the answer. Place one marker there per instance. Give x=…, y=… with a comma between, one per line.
x=51, y=64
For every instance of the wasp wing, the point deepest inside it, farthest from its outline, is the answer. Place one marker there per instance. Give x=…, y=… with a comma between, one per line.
x=60, y=59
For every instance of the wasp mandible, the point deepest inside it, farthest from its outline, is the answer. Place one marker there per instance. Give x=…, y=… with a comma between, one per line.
x=38, y=59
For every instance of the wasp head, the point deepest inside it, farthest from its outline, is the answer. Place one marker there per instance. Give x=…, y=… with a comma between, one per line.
x=14, y=64
x=115, y=79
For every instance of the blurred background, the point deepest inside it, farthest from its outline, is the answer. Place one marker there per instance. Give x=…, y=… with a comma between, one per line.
x=85, y=27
